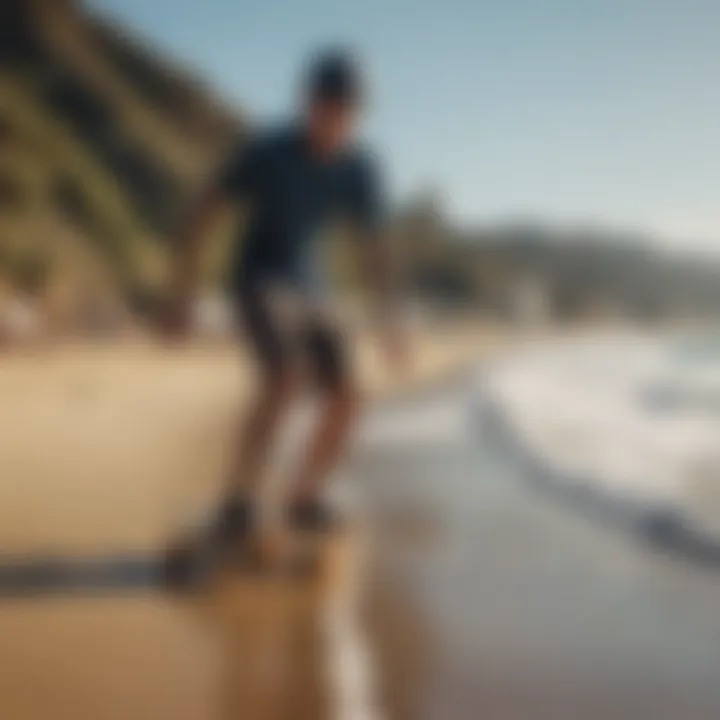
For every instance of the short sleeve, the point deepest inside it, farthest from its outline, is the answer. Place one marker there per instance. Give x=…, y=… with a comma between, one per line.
x=367, y=201
x=238, y=175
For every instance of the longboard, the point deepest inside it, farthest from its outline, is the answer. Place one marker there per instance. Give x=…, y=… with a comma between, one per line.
x=192, y=560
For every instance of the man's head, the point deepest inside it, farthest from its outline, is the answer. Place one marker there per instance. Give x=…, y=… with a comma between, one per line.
x=333, y=97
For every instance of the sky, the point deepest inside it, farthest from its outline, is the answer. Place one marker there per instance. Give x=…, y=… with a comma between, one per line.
x=601, y=112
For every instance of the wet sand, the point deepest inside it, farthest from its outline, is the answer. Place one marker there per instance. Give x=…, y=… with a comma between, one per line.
x=493, y=600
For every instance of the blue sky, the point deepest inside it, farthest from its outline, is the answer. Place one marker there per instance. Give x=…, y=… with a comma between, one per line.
x=571, y=111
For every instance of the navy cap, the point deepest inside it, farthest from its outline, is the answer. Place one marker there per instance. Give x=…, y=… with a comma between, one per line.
x=335, y=76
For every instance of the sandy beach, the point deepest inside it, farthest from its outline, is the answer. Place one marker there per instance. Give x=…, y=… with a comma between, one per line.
x=103, y=451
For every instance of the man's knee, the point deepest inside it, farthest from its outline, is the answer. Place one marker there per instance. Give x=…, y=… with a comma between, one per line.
x=280, y=387
x=344, y=398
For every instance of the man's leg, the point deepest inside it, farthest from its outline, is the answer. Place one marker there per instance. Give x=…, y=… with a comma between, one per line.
x=327, y=443
x=258, y=432
x=188, y=560
x=279, y=384
x=339, y=413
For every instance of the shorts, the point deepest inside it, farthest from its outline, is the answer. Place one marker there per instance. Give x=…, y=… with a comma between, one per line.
x=291, y=340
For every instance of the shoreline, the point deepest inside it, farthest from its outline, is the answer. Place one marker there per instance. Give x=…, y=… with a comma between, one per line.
x=661, y=515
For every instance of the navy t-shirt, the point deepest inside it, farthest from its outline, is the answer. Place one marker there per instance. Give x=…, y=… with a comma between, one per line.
x=292, y=195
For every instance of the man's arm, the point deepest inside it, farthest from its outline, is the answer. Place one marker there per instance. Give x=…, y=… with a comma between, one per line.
x=235, y=179
x=187, y=247
x=381, y=273
x=380, y=264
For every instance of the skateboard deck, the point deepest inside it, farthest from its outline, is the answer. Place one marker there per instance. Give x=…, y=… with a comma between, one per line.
x=192, y=560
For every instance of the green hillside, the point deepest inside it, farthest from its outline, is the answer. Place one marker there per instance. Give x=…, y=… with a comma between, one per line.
x=102, y=144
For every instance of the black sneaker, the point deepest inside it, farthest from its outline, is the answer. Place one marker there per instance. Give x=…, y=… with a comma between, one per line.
x=315, y=516
x=189, y=564
x=233, y=523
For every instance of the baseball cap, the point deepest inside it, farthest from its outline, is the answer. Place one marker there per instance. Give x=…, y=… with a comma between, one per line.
x=334, y=75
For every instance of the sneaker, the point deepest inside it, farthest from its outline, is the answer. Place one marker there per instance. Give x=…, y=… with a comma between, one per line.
x=186, y=566
x=190, y=563
x=233, y=522
x=314, y=515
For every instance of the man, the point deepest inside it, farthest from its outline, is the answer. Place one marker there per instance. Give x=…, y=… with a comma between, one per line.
x=295, y=181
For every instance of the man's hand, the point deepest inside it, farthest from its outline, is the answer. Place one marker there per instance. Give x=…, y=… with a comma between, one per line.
x=175, y=322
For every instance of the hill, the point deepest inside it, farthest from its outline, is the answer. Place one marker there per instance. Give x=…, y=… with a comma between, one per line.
x=101, y=141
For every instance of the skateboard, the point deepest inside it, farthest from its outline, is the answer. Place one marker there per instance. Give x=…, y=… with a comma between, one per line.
x=193, y=559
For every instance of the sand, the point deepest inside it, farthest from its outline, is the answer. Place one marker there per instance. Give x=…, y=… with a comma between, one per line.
x=105, y=450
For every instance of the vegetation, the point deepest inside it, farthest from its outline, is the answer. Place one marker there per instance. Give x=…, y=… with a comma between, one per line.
x=93, y=148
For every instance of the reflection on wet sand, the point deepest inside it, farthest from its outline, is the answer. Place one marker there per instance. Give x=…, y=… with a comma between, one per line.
x=271, y=645
x=110, y=658
x=404, y=646
x=292, y=644
x=265, y=647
